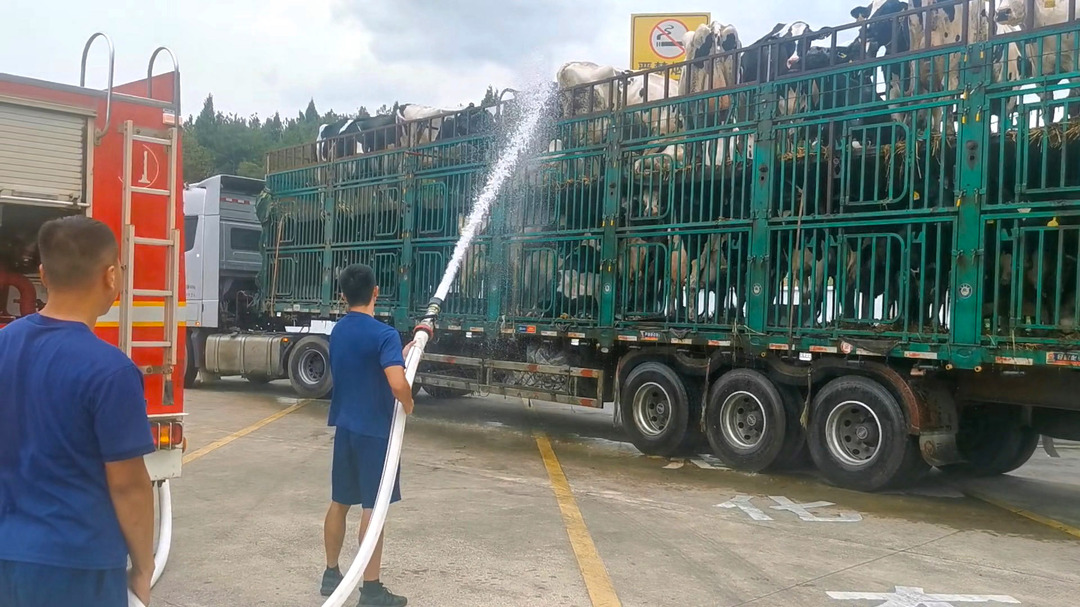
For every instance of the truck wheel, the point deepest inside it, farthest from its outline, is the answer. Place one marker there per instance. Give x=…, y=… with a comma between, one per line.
x=657, y=412
x=257, y=380
x=443, y=392
x=415, y=388
x=309, y=367
x=993, y=440
x=796, y=452
x=748, y=423
x=191, y=371
x=858, y=436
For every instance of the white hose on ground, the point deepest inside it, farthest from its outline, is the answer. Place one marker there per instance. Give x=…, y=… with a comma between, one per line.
x=163, y=511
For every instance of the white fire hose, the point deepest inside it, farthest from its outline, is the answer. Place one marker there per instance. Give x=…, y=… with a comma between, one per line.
x=163, y=508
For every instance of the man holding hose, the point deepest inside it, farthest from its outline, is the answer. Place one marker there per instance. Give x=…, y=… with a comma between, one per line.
x=75, y=496
x=367, y=363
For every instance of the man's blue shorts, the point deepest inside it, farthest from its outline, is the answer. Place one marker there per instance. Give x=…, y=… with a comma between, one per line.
x=357, y=469
x=33, y=585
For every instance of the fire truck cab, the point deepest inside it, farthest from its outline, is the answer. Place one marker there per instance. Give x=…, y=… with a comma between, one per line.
x=113, y=154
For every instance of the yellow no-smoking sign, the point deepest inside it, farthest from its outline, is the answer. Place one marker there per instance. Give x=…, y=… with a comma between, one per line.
x=657, y=40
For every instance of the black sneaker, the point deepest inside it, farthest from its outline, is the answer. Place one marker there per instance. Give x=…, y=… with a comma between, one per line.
x=330, y=580
x=376, y=595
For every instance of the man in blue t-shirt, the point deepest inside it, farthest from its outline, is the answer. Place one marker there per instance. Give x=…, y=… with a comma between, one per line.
x=367, y=363
x=75, y=496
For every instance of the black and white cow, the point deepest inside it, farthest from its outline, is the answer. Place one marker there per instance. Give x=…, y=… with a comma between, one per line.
x=352, y=136
x=776, y=53
x=420, y=124
x=897, y=34
x=471, y=122
x=713, y=51
x=1058, y=53
x=839, y=91
x=708, y=70
x=933, y=27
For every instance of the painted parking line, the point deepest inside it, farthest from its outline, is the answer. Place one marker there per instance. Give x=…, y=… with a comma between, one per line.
x=593, y=570
x=221, y=442
x=1038, y=518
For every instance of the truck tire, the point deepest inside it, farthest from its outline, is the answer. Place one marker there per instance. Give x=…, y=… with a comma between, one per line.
x=657, y=412
x=191, y=369
x=445, y=393
x=796, y=452
x=309, y=367
x=257, y=380
x=859, y=436
x=748, y=422
x=993, y=440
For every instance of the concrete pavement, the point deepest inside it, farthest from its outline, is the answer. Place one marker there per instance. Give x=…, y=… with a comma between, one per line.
x=481, y=522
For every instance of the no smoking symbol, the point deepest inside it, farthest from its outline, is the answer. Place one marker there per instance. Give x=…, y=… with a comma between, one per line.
x=666, y=39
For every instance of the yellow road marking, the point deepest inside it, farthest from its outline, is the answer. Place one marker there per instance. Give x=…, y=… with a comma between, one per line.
x=221, y=442
x=1038, y=518
x=597, y=582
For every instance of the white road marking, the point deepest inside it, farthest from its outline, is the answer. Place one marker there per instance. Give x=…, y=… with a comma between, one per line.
x=803, y=511
x=908, y=596
x=742, y=502
x=708, y=462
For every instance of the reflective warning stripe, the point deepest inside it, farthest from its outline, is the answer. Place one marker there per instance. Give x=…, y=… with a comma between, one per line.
x=143, y=314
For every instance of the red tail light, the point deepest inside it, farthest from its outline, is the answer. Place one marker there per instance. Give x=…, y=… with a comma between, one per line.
x=167, y=435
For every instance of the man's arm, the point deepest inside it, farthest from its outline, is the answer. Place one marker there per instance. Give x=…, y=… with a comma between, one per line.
x=132, y=496
x=400, y=386
x=123, y=435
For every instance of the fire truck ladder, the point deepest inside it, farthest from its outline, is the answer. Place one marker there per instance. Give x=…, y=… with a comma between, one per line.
x=171, y=244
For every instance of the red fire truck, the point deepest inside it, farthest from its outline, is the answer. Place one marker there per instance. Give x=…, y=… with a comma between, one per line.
x=113, y=154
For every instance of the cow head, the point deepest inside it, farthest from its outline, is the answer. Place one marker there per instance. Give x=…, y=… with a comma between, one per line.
x=727, y=37
x=1011, y=12
x=713, y=39
x=861, y=13
x=880, y=32
x=801, y=36
x=818, y=57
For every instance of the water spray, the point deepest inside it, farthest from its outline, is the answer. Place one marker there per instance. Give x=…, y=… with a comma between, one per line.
x=425, y=329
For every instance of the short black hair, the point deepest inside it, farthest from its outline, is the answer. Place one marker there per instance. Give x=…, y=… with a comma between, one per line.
x=357, y=283
x=74, y=249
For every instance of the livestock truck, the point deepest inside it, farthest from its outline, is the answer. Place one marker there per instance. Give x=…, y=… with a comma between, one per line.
x=870, y=265
x=112, y=154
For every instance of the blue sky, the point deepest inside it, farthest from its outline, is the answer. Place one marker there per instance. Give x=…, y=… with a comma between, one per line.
x=258, y=56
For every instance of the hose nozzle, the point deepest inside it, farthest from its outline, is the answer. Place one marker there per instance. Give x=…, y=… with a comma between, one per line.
x=427, y=321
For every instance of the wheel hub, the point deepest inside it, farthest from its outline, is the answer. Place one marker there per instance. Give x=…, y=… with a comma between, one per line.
x=742, y=420
x=853, y=433
x=312, y=367
x=652, y=409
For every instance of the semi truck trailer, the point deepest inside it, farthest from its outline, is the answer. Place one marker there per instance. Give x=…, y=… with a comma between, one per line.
x=863, y=260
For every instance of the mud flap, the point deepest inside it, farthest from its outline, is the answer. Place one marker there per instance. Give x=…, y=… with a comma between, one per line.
x=1048, y=446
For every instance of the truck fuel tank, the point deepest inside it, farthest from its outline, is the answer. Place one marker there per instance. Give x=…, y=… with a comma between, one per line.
x=246, y=354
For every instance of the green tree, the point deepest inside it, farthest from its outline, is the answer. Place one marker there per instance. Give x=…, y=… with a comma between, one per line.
x=251, y=169
x=311, y=114
x=198, y=161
